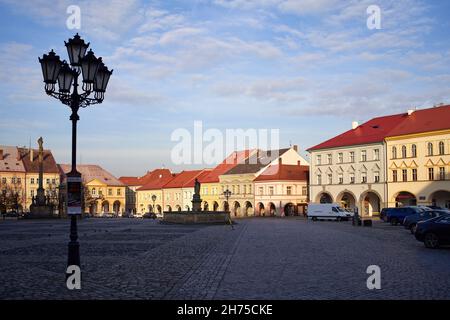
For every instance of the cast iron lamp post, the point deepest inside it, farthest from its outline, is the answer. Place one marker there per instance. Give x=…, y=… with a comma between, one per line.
x=95, y=80
x=227, y=194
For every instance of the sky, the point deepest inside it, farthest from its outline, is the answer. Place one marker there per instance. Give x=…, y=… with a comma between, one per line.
x=308, y=68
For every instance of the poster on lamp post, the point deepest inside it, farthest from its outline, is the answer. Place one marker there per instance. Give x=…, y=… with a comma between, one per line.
x=74, y=195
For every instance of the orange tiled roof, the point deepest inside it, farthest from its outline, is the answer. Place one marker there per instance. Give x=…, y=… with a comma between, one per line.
x=156, y=179
x=284, y=172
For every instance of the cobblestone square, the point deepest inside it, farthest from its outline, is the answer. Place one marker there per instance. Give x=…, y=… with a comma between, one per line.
x=262, y=258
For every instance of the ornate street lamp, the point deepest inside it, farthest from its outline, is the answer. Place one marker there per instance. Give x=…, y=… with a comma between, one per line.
x=95, y=76
x=227, y=194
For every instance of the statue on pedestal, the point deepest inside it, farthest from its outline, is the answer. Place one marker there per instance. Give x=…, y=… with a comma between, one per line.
x=41, y=208
x=196, y=200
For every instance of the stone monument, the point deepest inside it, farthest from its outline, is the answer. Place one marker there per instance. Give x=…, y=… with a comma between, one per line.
x=196, y=200
x=41, y=207
x=197, y=215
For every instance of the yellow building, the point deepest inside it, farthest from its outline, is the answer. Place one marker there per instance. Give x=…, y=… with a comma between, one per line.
x=240, y=179
x=418, y=155
x=51, y=175
x=211, y=189
x=104, y=193
x=149, y=197
x=12, y=178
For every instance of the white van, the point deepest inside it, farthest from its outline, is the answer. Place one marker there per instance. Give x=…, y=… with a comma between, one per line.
x=327, y=211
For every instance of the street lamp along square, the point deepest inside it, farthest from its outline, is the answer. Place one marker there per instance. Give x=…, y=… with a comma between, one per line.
x=76, y=49
x=94, y=73
x=50, y=64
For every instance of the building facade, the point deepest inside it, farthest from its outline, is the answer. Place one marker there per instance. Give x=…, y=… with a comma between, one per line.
x=282, y=190
x=350, y=169
x=149, y=197
x=418, y=155
x=386, y=162
x=240, y=179
x=103, y=193
x=12, y=180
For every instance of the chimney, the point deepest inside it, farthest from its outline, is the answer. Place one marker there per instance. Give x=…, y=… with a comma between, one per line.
x=298, y=163
x=410, y=112
x=31, y=155
x=1, y=154
x=354, y=125
x=295, y=147
x=280, y=161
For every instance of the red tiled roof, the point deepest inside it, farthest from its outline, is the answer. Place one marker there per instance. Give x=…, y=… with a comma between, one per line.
x=184, y=179
x=90, y=172
x=10, y=159
x=425, y=120
x=49, y=162
x=284, y=172
x=372, y=131
x=130, y=181
x=230, y=162
x=156, y=179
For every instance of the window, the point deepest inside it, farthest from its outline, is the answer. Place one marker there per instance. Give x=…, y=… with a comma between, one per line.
x=319, y=160
x=352, y=178
x=363, y=177
x=414, y=151
x=441, y=148
x=394, y=175
x=289, y=190
x=430, y=173
x=109, y=192
x=32, y=180
x=376, y=154
x=93, y=191
x=364, y=156
x=100, y=192
x=442, y=173
x=404, y=175
x=376, y=176
x=48, y=181
x=330, y=158
x=13, y=180
x=330, y=178
x=340, y=157
x=261, y=191
x=119, y=192
x=19, y=180
x=341, y=178
x=32, y=193
x=430, y=149
x=271, y=190
x=319, y=179
x=352, y=156
x=53, y=181
x=394, y=153
x=414, y=174
x=403, y=151
x=304, y=191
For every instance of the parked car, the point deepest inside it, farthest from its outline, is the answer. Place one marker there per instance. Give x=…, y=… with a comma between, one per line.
x=149, y=215
x=327, y=211
x=108, y=215
x=384, y=212
x=434, y=232
x=411, y=221
x=397, y=215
